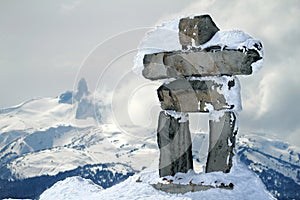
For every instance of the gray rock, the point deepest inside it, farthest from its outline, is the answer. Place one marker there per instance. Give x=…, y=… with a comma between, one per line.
x=210, y=62
x=85, y=109
x=66, y=97
x=221, y=143
x=199, y=28
x=82, y=90
x=182, y=189
x=175, y=145
x=182, y=95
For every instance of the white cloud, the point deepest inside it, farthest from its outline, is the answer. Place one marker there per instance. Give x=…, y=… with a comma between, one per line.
x=69, y=6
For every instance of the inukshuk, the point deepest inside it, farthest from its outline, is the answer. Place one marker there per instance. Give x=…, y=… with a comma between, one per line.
x=203, y=79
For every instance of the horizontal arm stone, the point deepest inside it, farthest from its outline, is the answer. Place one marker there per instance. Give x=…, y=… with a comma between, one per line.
x=210, y=62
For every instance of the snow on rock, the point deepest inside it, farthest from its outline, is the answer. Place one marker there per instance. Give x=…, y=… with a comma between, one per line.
x=246, y=186
x=237, y=39
x=234, y=39
x=182, y=116
x=232, y=94
x=72, y=188
x=164, y=37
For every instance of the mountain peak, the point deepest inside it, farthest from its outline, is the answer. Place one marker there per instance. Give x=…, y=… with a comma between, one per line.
x=82, y=89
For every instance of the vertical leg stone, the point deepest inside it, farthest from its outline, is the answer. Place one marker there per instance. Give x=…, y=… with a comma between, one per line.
x=221, y=143
x=181, y=146
x=164, y=143
x=175, y=144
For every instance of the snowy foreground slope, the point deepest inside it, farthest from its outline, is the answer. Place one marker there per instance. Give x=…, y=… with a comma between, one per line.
x=246, y=186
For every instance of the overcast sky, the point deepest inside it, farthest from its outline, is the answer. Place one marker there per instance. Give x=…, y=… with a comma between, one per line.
x=43, y=44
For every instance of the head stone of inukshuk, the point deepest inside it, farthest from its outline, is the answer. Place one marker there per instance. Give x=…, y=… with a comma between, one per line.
x=199, y=66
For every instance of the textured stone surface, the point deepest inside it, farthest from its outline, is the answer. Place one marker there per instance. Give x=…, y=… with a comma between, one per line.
x=181, y=189
x=221, y=143
x=208, y=62
x=199, y=28
x=182, y=95
x=175, y=145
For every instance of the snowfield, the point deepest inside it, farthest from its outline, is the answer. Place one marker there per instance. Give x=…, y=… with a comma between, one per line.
x=246, y=186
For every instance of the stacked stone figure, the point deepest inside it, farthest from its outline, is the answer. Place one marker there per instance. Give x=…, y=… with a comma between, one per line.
x=203, y=81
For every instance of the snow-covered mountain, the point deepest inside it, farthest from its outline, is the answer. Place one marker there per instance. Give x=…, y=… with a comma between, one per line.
x=277, y=163
x=46, y=140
